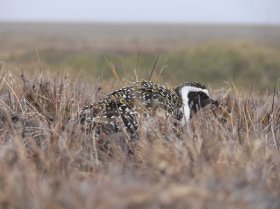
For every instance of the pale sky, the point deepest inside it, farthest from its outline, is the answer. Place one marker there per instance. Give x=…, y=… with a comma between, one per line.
x=189, y=11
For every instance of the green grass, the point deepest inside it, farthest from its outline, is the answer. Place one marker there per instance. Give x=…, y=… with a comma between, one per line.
x=216, y=64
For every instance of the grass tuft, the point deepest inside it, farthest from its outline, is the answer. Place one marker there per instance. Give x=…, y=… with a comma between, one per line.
x=224, y=158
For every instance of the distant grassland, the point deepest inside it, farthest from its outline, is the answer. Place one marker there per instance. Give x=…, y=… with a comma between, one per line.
x=249, y=56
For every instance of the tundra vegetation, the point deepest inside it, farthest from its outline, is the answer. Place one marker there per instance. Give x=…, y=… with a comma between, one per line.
x=223, y=158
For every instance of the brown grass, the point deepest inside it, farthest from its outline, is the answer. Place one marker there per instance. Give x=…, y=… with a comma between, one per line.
x=226, y=158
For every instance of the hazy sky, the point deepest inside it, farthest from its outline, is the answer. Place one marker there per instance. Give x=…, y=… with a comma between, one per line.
x=203, y=11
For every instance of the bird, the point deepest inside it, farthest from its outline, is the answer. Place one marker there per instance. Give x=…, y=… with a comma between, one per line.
x=143, y=99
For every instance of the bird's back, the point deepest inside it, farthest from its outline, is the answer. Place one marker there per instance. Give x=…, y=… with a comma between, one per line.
x=125, y=105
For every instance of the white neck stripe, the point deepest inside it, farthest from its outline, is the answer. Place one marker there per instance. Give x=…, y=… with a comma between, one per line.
x=195, y=89
x=184, y=94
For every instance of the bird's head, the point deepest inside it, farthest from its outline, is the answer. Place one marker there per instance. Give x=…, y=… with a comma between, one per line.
x=194, y=96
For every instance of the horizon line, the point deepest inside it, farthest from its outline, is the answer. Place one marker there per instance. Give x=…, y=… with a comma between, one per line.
x=137, y=22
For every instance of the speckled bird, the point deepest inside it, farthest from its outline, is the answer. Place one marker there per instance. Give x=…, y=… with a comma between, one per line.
x=122, y=108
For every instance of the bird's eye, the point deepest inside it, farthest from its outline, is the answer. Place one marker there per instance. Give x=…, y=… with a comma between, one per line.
x=202, y=93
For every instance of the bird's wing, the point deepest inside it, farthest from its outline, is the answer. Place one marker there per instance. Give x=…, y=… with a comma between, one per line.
x=159, y=96
x=140, y=97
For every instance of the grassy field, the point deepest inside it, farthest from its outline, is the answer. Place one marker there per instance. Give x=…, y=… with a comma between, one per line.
x=224, y=158
x=211, y=54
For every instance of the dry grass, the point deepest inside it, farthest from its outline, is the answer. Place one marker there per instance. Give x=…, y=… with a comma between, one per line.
x=225, y=158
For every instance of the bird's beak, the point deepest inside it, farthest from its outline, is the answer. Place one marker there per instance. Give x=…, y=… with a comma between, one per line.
x=214, y=102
